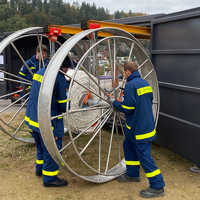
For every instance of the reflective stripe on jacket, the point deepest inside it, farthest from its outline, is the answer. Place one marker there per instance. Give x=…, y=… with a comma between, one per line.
x=137, y=106
x=58, y=104
x=33, y=64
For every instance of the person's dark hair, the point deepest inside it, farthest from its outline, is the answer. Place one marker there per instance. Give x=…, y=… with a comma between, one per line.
x=43, y=48
x=131, y=66
x=67, y=63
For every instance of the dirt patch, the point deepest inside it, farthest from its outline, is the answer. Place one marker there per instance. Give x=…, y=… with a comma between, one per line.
x=19, y=182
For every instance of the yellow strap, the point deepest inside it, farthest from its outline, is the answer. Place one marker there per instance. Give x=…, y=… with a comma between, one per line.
x=38, y=77
x=144, y=90
x=63, y=101
x=152, y=174
x=47, y=173
x=146, y=135
x=32, y=123
x=128, y=127
x=128, y=107
x=22, y=74
x=39, y=162
x=32, y=67
x=132, y=162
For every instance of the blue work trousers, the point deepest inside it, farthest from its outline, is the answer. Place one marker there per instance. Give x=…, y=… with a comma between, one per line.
x=139, y=153
x=44, y=162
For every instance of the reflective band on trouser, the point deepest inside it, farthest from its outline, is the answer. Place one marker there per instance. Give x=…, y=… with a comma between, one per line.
x=63, y=101
x=128, y=127
x=146, y=135
x=39, y=162
x=32, y=123
x=144, y=90
x=128, y=107
x=32, y=67
x=22, y=74
x=38, y=77
x=48, y=173
x=152, y=174
x=127, y=162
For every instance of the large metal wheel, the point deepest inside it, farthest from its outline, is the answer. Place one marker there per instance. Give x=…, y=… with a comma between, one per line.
x=21, y=46
x=91, y=151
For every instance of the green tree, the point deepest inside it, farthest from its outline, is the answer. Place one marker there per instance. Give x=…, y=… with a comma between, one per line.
x=37, y=18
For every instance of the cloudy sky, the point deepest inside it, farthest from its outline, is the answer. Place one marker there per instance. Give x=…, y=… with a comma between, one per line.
x=144, y=6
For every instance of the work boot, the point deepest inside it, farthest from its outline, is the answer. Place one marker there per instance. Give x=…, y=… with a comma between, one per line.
x=38, y=173
x=150, y=193
x=195, y=169
x=57, y=183
x=125, y=178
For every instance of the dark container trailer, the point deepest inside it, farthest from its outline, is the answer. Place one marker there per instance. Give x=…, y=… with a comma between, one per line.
x=175, y=52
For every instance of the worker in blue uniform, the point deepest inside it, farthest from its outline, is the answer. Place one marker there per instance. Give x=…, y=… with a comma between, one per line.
x=34, y=63
x=139, y=131
x=45, y=165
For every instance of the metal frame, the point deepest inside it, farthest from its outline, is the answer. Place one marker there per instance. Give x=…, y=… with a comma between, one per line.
x=44, y=107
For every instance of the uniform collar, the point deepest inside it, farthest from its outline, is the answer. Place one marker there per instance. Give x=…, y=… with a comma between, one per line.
x=135, y=74
x=34, y=60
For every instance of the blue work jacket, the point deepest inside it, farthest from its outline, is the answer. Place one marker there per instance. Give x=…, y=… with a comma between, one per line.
x=58, y=104
x=33, y=64
x=137, y=106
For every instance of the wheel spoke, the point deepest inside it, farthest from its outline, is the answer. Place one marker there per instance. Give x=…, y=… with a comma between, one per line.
x=100, y=143
x=82, y=132
x=16, y=81
x=110, y=53
x=102, y=122
x=80, y=110
x=99, y=128
x=86, y=88
x=118, y=87
x=13, y=117
x=5, y=123
x=27, y=81
x=140, y=66
x=41, y=56
x=18, y=128
x=6, y=108
x=114, y=71
x=110, y=145
x=39, y=49
x=118, y=136
x=120, y=122
x=7, y=95
x=98, y=85
x=94, y=58
x=148, y=74
x=20, y=56
x=131, y=51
